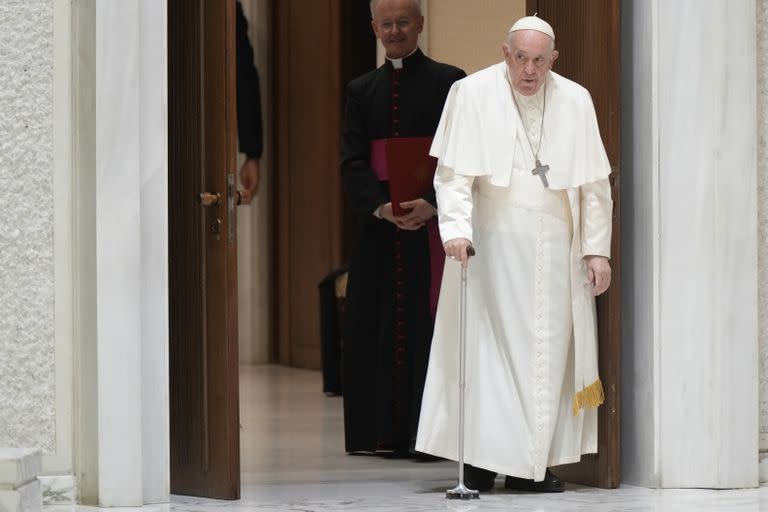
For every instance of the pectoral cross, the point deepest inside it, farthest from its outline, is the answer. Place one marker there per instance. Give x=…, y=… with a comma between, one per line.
x=541, y=171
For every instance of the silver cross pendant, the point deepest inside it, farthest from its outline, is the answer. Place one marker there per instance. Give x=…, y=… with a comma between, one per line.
x=541, y=171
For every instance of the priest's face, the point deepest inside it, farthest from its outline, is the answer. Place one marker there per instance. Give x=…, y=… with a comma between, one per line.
x=529, y=55
x=398, y=24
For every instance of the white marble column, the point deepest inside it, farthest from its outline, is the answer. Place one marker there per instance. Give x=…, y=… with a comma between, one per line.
x=121, y=252
x=762, y=194
x=689, y=235
x=153, y=140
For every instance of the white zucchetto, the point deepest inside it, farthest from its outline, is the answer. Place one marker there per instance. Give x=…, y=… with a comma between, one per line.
x=533, y=23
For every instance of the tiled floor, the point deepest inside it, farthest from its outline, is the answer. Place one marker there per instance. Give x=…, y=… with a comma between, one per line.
x=293, y=460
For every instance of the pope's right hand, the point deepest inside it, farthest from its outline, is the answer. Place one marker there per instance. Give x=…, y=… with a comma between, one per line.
x=456, y=249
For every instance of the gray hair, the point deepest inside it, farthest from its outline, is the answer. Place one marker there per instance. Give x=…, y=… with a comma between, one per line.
x=416, y=4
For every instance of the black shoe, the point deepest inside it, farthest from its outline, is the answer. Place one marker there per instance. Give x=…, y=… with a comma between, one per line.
x=550, y=484
x=478, y=479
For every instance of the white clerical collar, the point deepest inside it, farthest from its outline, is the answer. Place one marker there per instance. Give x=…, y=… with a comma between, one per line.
x=398, y=63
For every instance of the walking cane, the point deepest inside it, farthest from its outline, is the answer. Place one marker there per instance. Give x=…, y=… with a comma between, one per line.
x=461, y=492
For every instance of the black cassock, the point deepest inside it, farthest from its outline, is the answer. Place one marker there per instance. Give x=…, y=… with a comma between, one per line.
x=389, y=326
x=249, y=131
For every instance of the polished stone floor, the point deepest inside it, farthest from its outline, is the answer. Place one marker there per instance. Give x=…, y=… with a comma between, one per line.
x=293, y=460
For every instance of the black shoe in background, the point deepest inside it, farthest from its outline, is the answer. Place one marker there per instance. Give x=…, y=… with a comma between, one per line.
x=478, y=479
x=550, y=484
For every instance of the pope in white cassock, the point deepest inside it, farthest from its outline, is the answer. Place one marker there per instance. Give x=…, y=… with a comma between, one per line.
x=523, y=177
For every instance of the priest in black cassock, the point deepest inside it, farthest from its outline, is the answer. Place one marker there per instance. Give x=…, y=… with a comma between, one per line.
x=390, y=296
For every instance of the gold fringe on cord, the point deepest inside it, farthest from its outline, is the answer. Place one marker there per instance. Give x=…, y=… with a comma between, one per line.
x=590, y=396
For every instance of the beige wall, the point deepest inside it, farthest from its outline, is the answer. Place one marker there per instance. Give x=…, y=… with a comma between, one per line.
x=470, y=34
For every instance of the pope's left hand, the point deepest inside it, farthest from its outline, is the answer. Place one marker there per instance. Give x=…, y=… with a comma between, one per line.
x=420, y=211
x=598, y=273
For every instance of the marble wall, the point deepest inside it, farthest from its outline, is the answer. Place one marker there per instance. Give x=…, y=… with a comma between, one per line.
x=153, y=185
x=27, y=347
x=690, y=370
x=762, y=192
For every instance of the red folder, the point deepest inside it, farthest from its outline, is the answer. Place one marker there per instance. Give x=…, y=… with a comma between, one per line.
x=405, y=163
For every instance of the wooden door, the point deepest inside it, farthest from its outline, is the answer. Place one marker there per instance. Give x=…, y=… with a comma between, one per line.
x=308, y=205
x=587, y=34
x=204, y=416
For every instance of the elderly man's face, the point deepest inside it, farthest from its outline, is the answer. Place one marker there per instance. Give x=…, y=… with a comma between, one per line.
x=529, y=56
x=398, y=24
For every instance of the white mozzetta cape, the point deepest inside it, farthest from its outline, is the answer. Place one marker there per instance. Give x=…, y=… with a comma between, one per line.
x=481, y=134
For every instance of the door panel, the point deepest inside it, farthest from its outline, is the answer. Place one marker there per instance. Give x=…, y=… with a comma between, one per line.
x=308, y=206
x=587, y=34
x=202, y=250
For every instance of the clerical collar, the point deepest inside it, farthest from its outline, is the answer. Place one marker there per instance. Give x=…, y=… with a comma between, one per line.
x=398, y=63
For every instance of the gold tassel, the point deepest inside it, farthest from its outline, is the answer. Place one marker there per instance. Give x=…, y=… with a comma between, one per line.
x=590, y=396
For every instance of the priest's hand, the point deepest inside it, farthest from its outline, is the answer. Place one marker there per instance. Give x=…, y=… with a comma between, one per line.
x=250, y=174
x=386, y=213
x=456, y=249
x=598, y=273
x=419, y=212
